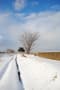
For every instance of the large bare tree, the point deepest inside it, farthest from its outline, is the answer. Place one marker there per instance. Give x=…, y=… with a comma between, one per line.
x=28, y=40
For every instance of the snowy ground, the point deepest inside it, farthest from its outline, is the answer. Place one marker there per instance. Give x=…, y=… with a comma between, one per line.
x=9, y=79
x=4, y=62
x=36, y=74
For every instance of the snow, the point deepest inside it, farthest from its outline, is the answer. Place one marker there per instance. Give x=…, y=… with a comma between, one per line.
x=5, y=60
x=10, y=80
x=39, y=73
x=36, y=73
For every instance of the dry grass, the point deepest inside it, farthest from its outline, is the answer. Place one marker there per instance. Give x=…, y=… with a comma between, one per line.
x=50, y=55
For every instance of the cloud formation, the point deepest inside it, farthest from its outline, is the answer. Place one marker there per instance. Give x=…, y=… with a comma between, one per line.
x=46, y=23
x=19, y=4
x=35, y=3
x=55, y=7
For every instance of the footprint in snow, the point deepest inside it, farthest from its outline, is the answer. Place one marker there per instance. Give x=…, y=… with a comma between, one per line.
x=54, y=77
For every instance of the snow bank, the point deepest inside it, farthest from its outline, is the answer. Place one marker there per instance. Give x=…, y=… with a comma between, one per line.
x=39, y=73
x=5, y=60
x=36, y=73
x=10, y=79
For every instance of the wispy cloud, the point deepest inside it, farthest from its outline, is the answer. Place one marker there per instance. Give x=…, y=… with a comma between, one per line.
x=35, y=3
x=55, y=7
x=19, y=4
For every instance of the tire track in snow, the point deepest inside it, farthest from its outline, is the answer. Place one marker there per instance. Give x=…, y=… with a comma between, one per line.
x=10, y=79
x=5, y=68
x=18, y=72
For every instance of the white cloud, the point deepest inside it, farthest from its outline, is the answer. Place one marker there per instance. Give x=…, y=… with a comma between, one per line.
x=19, y=4
x=3, y=17
x=46, y=23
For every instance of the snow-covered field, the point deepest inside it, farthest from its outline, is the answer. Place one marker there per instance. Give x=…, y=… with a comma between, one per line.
x=36, y=73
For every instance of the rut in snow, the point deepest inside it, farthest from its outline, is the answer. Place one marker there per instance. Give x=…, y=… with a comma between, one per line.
x=5, y=68
x=10, y=79
x=18, y=71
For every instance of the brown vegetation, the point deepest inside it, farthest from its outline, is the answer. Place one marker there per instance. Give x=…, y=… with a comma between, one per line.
x=50, y=55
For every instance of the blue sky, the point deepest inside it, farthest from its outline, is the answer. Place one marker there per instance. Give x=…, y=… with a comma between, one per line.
x=17, y=16
x=29, y=6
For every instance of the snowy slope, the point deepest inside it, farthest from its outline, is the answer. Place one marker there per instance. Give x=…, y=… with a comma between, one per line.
x=39, y=73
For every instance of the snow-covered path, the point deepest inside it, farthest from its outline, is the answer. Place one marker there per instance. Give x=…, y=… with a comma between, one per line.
x=4, y=65
x=36, y=74
x=10, y=79
x=39, y=73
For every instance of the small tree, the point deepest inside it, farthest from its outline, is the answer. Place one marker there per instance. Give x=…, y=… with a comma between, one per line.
x=21, y=49
x=28, y=40
x=10, y=51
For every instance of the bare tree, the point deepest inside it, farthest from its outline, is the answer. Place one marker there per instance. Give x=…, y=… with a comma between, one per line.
x=28, y=40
